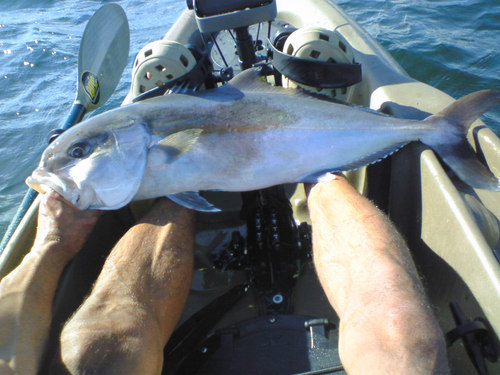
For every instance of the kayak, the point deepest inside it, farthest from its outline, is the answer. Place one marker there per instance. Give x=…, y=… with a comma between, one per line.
x=254, y=291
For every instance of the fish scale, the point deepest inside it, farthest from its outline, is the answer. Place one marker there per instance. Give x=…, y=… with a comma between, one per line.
x=242, y=136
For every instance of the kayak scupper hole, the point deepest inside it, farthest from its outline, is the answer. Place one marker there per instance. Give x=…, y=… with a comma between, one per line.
x=142, y=89
x=159, y=83
x=331, y=60
x=342, y=46
x=184, y=60
x=169, y=76
x=149, y=52
x=160, y=68
x=315, y=54
x=289, y=50
x=148, y=75
x=324, y=37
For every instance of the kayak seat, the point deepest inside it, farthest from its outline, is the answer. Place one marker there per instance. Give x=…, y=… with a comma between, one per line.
x=273, y=344
x=213, y=16
x=207, y=8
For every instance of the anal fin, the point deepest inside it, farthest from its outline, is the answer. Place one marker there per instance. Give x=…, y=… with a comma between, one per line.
x=193, y=201
x=327, y=175
x=323, y=176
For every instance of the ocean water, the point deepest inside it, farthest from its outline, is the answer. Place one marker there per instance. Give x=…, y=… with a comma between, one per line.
x=453, y=45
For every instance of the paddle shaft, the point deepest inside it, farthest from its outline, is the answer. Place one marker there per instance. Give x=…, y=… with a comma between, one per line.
x=75, y=115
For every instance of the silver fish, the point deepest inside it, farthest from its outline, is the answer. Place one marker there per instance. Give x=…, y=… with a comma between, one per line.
x=243, y=136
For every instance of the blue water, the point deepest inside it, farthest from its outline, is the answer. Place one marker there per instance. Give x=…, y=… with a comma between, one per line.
x=452, y=45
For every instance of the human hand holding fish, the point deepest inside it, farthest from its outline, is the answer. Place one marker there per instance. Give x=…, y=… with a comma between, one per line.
x=245, y=135
x=61, y=222
x=27, y=293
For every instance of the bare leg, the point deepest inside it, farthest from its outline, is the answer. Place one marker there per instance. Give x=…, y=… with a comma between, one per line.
x=137, y=300
x=386, y=324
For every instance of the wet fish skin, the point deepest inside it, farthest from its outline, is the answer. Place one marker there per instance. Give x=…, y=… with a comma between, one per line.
x=243, y=136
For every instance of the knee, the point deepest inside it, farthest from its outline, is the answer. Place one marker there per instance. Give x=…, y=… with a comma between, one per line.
x=102, y=352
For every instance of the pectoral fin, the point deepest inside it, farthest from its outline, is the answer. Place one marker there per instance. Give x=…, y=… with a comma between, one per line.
x=192, y=200
x=179, y=143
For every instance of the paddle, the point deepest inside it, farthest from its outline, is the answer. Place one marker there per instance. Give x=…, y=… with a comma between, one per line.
x=102, y=57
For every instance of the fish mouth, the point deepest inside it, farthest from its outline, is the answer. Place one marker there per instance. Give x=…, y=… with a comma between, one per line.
x=79, y=196
x=42, y=181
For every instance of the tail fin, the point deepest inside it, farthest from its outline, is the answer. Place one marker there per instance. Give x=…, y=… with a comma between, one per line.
x=454, y=148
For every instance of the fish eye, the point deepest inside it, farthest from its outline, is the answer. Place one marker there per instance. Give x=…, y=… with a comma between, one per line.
x=79, y=150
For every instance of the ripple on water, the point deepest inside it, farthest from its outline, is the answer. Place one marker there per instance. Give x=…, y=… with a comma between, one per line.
x=449, y=44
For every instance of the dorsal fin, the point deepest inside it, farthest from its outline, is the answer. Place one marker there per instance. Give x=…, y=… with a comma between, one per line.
x=252, y=80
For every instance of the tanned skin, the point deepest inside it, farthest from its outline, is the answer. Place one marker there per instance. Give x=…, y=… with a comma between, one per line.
x=137, y=299
x=26, y=294
x=386, y=324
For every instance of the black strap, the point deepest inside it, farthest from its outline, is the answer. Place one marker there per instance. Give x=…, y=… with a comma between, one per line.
x=475, y=338
x=195, y=330
x=315, y=73
x=465, y=329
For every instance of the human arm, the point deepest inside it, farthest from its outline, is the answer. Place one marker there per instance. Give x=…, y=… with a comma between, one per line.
x=26, y=294
x=386, y=323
